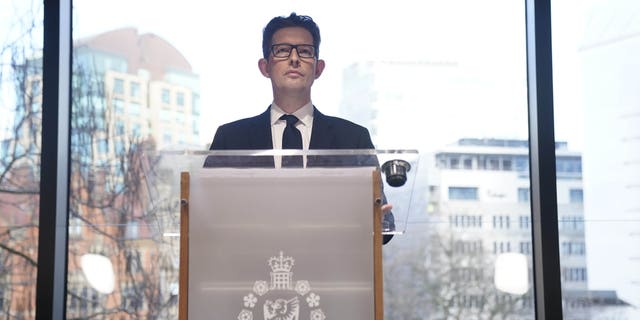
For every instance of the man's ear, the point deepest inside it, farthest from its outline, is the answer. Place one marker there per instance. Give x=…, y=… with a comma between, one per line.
x=319, y=68
x=263, y=65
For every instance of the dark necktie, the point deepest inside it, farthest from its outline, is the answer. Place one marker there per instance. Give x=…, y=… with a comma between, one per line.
x=291, y=139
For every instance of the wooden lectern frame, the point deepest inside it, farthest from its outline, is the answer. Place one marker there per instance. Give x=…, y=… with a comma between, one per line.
x=184, y=245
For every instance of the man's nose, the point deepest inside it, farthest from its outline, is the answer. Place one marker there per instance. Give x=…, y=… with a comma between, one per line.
x=294, y=58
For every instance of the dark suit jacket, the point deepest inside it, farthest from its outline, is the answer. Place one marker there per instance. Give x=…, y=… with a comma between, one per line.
x=328, y=133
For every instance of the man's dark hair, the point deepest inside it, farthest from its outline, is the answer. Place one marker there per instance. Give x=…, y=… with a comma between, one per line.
x=293, y=20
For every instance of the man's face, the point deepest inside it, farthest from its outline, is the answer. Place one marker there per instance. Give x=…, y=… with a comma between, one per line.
x=293, y=74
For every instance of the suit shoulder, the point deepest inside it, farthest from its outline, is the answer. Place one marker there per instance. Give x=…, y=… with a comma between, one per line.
x=344, y=123
x=241, y=123
x=239, y=127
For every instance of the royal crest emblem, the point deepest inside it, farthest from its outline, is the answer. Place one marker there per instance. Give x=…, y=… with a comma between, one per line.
x=281, y=298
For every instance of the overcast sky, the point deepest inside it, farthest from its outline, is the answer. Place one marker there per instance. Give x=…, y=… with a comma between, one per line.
x=483, y=96
x=485, y=40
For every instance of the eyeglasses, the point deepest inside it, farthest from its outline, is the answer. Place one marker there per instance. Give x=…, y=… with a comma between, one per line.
x=283, y=50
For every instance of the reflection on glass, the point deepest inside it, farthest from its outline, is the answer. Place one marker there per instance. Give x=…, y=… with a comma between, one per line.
x=120, y=207
x=467, y=257
x=20, y=146
x=512, y=273
x=98, y=270
x=138, y=88
x=597, y=111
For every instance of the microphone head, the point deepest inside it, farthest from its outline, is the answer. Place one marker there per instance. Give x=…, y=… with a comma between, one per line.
x=395, y=172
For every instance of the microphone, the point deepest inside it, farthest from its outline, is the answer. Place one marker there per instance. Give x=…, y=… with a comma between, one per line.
x=396, y=172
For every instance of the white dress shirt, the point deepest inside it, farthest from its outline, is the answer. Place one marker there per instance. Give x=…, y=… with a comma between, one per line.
x=305, y=124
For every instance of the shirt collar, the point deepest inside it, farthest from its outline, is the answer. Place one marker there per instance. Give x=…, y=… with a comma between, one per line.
x=304, y=114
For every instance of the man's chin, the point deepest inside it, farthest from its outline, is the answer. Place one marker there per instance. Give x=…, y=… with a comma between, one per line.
x=294, y=87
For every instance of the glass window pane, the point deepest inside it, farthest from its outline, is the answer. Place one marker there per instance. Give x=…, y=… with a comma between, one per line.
x=463, y=193
x=445, y=91
x=597, y=114
x=21, y=29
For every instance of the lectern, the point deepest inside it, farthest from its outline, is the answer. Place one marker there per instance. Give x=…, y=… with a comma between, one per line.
x=282, y=243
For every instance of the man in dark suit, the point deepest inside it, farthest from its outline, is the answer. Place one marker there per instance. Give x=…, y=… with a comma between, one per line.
x=256, y=133
x=291, y=61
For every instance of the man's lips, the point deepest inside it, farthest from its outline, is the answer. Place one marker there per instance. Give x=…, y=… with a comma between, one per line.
x=293, y=73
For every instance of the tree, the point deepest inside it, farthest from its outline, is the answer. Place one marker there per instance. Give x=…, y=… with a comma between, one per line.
x=19, y=160
x=442, y=275
x=119, y=203
x=120, y=206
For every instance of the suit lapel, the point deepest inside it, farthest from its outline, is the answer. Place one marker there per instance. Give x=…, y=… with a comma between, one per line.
x=321, y=137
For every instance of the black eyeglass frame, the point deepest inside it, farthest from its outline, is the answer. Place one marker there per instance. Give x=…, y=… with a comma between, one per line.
x=294, y=46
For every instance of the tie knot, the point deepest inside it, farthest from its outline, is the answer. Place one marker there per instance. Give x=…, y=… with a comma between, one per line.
x=290, y=119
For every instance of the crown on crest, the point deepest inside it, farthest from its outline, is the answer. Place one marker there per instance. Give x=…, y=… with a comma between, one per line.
x=281, y=263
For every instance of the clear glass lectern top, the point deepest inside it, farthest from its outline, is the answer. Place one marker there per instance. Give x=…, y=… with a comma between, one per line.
x=398, y=169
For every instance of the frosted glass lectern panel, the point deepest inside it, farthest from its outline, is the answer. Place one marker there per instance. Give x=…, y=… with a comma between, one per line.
x=281, y=244
x=401, y=196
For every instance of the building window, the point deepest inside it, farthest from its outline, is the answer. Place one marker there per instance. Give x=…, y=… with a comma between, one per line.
x=482, y=163
x=525, y=222
x=166, y=96
x=463, y=193
x=135, y=89
x=523, y=195
x=195, y=126
x=507, y=164
x=501, y=247
x=119, y=147
x=467, y=164
x=75, y=227
x=454, y=163
x=467, y=247
x=493, y=163
x=578, y=248
x=569, y=248
x=103, y=146
x=468, y=301
x=442, y=162
x=525, y=247
x=574, y=274
x=119, y=128
x=501, y=222
x=522, y=164
x=118, y=86
x=565, y=248
x=136, y=131
x=465, y=221
x=195, y=104
x=118, y=106
x=180, y=99
x=466, y=274
x=575, y=196
x=571, y=223
x=569, y=165
x=100, y=124
x=132, y=230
